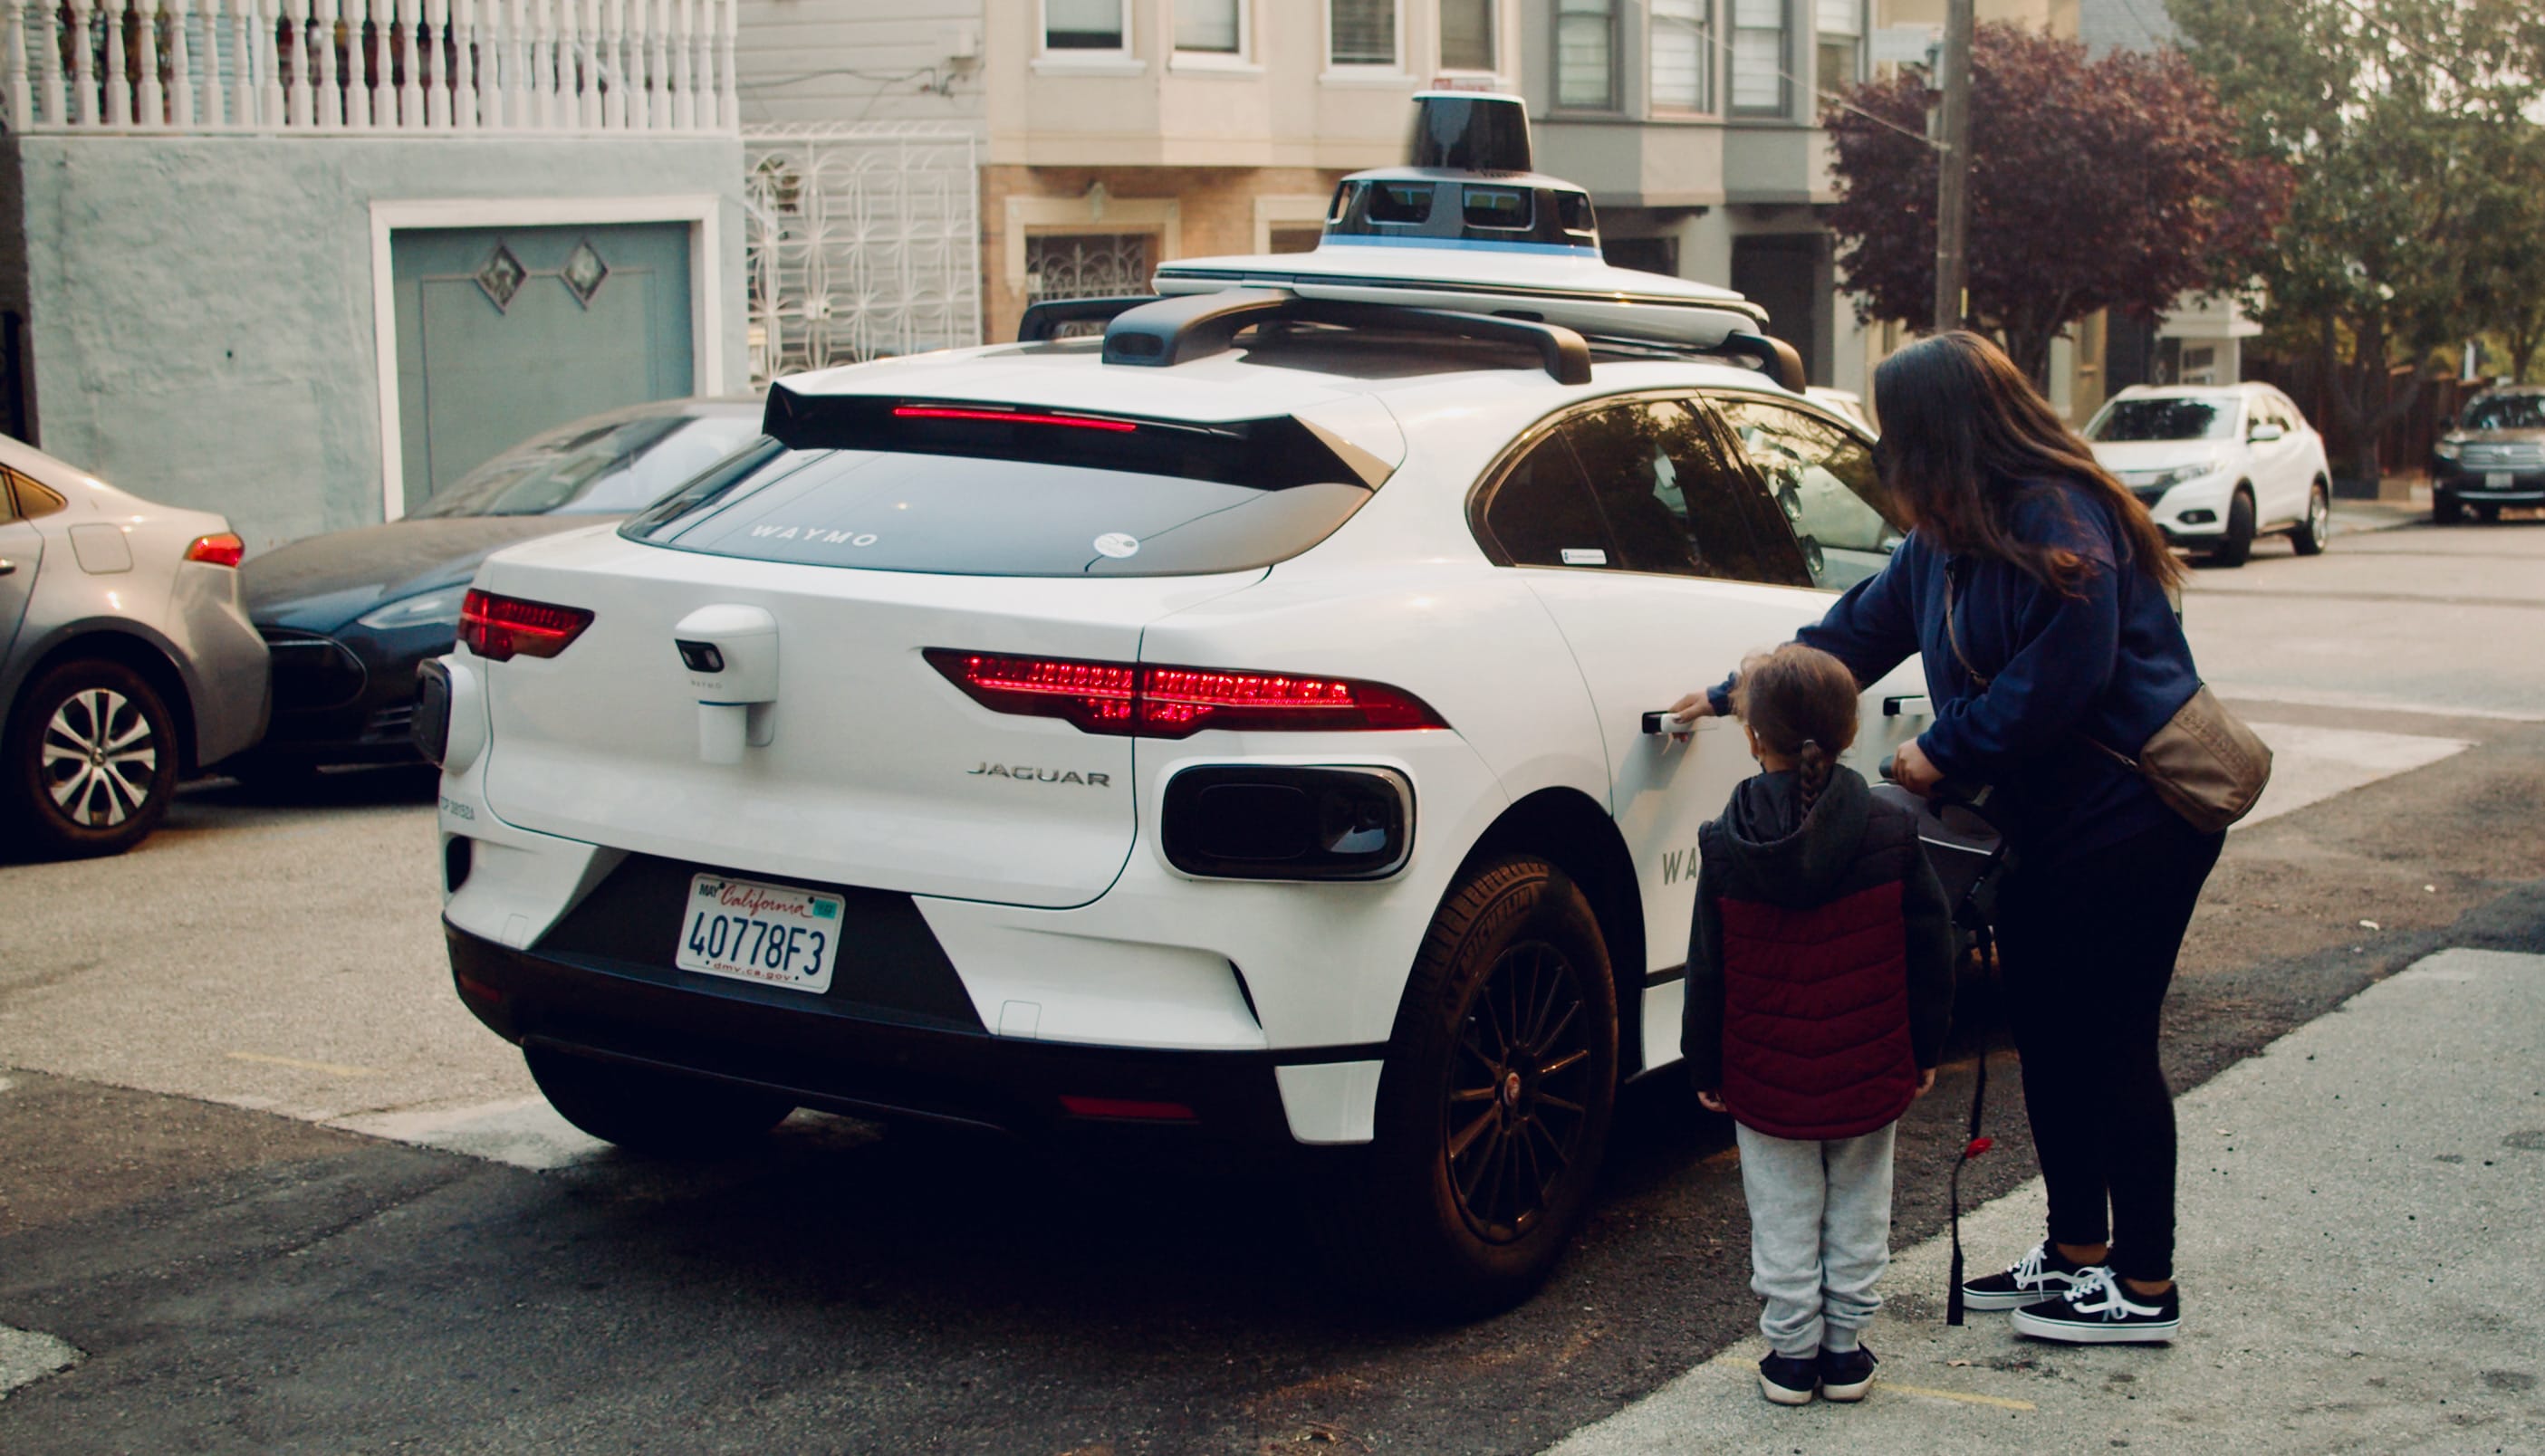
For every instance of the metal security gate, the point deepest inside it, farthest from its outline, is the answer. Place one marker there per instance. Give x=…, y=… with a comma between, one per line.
x=864, y=241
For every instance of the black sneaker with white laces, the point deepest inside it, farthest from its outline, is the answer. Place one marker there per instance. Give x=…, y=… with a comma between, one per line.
x=1788, y=1380
x=2044, y=1273
x=2101, y=1310
x=1845, y=1375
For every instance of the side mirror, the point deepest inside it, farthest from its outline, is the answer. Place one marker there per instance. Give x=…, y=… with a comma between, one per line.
x=2263, y=433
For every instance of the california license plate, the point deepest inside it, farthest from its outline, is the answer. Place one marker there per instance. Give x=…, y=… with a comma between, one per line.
x=2498, y=479
x=776, y=934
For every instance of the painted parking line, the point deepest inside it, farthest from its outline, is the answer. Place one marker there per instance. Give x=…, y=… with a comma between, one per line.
x=2310, y=765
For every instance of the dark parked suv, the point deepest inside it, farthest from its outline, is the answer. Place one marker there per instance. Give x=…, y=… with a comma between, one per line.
x=2494, y=457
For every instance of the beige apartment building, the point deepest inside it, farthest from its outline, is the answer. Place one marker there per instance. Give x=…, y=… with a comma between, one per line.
x=1111, y=136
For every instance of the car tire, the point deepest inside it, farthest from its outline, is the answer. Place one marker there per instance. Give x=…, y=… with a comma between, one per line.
x=2486, y=514
x=2313, y=532
x=91, y=760
x=661, y=1113
x=2236, y=546
x=1504, y=1062
x=2446, y=508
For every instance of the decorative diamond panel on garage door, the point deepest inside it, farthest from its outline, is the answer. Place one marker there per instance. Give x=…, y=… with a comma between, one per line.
x=503, y=333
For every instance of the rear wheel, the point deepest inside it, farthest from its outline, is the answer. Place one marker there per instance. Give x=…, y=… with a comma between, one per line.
x=2237, y=545
x=649, y=1111
x=2314, y=531
x=91, y=760
x=1501, y=1081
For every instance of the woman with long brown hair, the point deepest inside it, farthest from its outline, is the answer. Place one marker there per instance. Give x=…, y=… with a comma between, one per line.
x=2036, y=591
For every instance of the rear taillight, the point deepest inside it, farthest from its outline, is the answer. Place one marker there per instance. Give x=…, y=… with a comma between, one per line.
x=1175, y=702
x=222, y=549
x=500, y=628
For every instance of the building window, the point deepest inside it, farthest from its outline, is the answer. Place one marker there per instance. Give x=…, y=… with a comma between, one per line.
x=1586, y=50
x=1758, y=59
x=1841, y=27
x=1682, y=55
x=1360, y=32
x=1467, y=35
x=1210, y=26
x=1083, y=24
x=1105, y=265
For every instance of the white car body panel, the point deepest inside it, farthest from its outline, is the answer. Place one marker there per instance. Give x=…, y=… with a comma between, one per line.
x=1056, y=903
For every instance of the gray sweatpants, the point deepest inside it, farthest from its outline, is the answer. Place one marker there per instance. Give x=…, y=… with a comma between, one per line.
x=1820, y=1235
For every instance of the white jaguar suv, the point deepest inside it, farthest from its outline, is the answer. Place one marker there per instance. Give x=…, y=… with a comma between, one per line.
x=1232, y=733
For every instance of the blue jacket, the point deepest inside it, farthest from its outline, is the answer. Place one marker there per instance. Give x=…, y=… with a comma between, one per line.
x=2109, y=662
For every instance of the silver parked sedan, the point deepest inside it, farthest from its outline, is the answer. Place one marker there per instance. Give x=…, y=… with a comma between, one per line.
x=124, y=658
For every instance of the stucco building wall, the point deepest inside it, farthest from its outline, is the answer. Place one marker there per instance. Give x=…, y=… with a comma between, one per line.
x=200, y=310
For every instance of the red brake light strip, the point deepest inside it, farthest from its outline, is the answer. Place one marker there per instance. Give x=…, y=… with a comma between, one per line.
x=1011, y=417
x=1174, y=701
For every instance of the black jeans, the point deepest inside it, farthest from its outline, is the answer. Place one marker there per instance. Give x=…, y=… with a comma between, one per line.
x=2088, y=949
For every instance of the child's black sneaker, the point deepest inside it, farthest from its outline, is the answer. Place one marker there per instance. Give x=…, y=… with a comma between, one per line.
x=1788, y=1380
x=1845, y=1375
x=2044, y=1273
x=2101, y=1310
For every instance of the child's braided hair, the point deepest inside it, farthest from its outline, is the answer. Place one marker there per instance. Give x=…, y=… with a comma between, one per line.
x=1802, y=703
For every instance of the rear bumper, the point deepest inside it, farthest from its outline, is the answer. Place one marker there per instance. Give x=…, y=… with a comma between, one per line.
x=868, y=1066
x=347, y=699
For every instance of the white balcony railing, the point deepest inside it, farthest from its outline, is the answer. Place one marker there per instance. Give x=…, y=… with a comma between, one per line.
x=87, y=66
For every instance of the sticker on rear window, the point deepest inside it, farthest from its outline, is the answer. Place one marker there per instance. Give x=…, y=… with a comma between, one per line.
x=1118, y=545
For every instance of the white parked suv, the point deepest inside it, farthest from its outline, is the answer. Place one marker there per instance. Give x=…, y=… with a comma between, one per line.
x=1229, y=735
x=2219, y=465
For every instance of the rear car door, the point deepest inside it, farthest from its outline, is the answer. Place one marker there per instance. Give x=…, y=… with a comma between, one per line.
x=22, y=549
x=1663, y=563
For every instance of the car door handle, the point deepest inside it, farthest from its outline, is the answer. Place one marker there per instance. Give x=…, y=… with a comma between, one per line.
x=8, y=567
x=1658, y=722
x=1909, y=704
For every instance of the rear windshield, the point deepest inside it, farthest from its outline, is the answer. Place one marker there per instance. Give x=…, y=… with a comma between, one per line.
x=2164, y=419
x=2507, y=412
x=898, y=485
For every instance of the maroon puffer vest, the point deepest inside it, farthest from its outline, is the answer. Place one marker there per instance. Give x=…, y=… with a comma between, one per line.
x=1816, y=1016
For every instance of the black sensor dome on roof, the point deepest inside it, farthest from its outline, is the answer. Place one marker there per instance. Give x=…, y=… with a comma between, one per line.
x=1466, y=240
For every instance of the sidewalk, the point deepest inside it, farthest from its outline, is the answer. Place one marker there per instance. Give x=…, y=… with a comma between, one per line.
x=2352, y=518
x=2362, y=1256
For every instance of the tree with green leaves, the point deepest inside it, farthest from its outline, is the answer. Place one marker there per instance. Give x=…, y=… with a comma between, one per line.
x=2392, y=116
x=2095, y=183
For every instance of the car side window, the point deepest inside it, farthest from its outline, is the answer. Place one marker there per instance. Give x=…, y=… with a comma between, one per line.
x=33, y=499
x=1541, y=512
x=1668, y=480
x=1826, y=487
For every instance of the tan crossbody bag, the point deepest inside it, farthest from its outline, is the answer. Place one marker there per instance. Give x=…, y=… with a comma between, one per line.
x=2204, y=762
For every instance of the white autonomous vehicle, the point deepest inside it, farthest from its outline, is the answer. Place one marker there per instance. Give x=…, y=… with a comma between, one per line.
x=1233, y=730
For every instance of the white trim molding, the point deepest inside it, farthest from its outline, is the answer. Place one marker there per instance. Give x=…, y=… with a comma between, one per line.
x=1287, y=210
x=702, y=213
x=1095, y=211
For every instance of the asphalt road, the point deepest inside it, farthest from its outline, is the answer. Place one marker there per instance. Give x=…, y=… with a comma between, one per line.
x=189, y=1034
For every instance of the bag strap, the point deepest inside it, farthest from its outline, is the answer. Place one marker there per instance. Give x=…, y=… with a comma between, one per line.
x=1973, y=1144
x=1953, y=639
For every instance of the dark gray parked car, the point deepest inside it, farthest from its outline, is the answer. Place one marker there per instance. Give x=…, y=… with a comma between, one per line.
x=350, y=615
x=2494, y=457
x=125, y=661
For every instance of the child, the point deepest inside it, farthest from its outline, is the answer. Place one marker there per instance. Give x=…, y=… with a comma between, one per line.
x=1820, y=985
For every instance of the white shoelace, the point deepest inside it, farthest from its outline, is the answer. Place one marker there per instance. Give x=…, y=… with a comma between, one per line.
x=2098, y=1292
x=2027, y=1270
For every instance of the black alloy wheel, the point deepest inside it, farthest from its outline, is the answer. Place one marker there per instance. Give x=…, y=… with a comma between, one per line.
x=1518, y=1098
x=91, y=758
x=1495, y=1104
